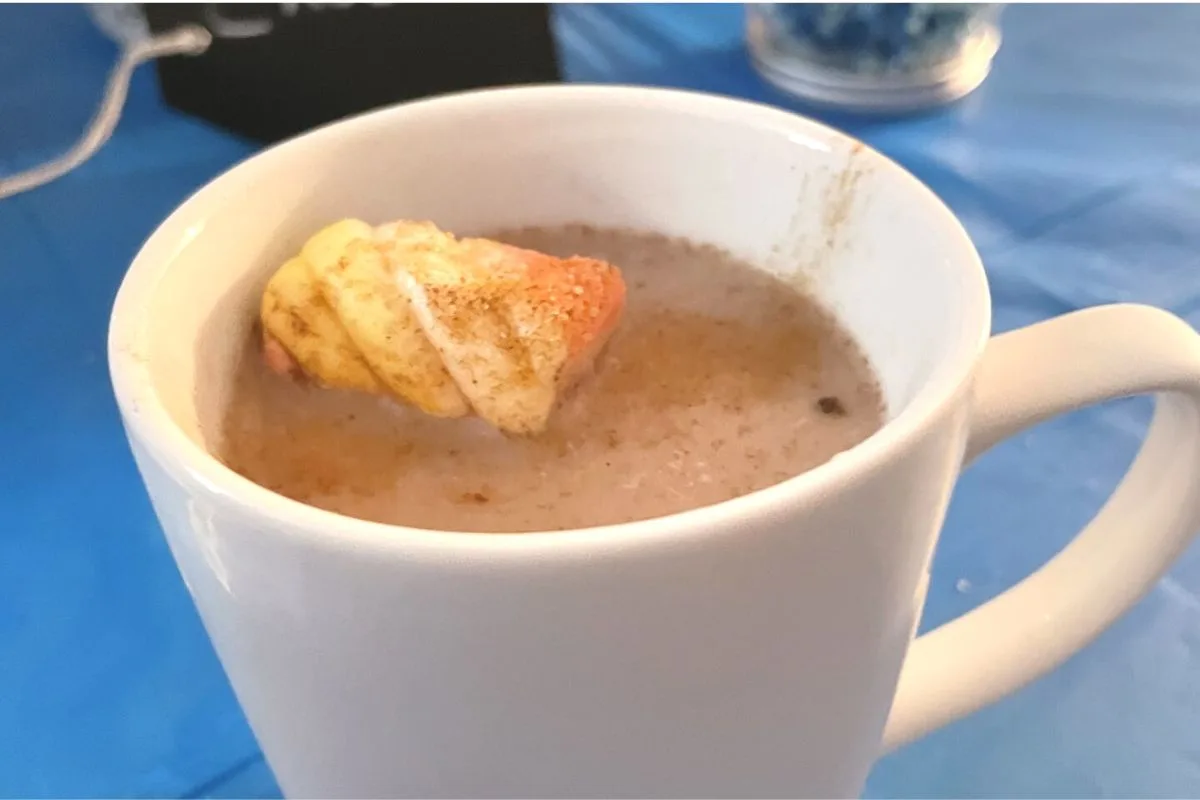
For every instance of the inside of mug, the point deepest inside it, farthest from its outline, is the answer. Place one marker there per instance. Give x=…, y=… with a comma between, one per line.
x=866, y=239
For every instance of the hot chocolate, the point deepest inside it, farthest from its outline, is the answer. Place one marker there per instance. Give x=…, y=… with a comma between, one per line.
x=721, y=380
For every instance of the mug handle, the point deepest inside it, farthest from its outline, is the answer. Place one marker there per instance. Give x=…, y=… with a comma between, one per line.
x=1026, y=377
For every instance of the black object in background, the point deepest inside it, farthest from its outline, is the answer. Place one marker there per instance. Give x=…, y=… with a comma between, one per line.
x=276, y=70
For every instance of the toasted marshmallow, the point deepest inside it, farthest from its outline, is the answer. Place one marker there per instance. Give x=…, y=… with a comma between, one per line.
x=514, y=327
x=451, y=325
x=357, y=282
x=302, y=333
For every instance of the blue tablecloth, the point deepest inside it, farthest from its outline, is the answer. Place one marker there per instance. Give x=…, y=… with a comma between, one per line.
x=1076, y=169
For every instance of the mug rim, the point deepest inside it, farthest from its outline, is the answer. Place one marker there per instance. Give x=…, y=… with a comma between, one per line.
x=148, y=422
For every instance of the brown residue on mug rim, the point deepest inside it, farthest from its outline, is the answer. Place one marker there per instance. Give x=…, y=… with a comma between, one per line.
x=804, y=256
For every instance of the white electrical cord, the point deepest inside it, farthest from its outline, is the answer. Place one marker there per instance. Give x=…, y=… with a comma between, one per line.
x=184, y=40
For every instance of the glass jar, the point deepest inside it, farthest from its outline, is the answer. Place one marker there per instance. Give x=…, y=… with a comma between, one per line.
x=874, y=56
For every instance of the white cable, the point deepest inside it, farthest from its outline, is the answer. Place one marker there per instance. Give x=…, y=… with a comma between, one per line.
x=124, y=23
x=185, y=40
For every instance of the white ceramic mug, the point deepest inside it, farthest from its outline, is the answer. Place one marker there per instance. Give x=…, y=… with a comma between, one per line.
x=760, y=647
